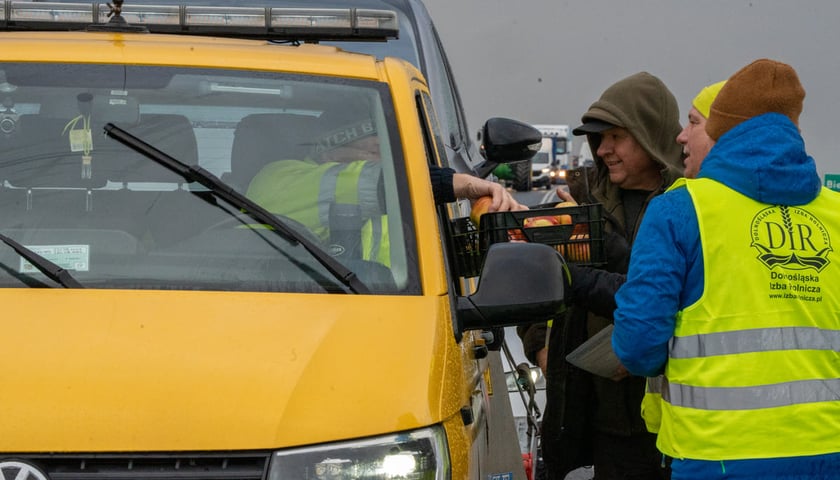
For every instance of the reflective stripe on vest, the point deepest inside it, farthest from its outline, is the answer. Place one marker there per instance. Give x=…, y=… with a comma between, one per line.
x=755, y=340
x=754, y=367
x=354, y=183
x=751, y=398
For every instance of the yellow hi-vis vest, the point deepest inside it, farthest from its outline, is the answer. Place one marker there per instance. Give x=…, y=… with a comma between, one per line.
x=652, y=403
x=376, y=243
x=305, y=191
x=753, y=368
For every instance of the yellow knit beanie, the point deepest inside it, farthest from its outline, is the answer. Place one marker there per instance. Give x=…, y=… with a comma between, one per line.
x=763, y=86
x=703, y=101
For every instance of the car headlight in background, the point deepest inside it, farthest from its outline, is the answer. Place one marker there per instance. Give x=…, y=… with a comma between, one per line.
x=420, y=455
x=524, y=376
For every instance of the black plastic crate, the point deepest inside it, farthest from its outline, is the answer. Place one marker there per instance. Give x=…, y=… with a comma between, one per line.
x=468, y=257
x=581, y=241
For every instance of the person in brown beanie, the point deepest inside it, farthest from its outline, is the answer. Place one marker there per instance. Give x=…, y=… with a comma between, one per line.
x=761, y=87
x=731, y=293
x=593, y=420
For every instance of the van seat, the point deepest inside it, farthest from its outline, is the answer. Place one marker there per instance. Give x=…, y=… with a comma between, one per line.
x=170, y=133
x=262, y=138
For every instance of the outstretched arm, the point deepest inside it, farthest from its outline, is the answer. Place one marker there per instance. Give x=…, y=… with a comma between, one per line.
x=471, y=187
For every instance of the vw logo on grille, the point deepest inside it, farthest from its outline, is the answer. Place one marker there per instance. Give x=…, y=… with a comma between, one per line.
x=20, y=471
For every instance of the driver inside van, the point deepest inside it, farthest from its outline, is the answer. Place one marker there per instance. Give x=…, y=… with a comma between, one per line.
x=335, y=193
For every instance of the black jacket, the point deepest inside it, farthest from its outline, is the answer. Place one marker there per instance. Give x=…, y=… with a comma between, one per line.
x=442, y=187
x=579, y=403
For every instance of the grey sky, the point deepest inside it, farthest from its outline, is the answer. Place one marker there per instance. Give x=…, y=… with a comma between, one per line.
x=545, y=61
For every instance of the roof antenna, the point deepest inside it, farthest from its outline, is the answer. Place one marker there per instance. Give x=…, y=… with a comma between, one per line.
x=116, y=11
x=116, y=23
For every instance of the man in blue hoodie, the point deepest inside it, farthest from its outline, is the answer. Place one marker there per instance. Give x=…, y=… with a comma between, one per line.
x=731, y=293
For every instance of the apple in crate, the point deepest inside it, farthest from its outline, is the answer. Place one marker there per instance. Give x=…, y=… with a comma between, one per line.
x=565, y=219
x=540, y=221
x=479, y=207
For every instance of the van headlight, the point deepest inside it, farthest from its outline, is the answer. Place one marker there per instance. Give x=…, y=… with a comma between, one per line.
x=420, y=455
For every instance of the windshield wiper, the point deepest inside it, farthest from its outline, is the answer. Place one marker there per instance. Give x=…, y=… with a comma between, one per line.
x=48, y=268
x=194, y=173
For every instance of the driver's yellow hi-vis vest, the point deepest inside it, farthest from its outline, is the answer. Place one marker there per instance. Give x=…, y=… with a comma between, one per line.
x=305, y=191
x=376, y=245
x=753, y=368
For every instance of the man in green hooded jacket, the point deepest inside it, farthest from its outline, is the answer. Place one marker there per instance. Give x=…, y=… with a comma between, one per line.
x=593, y=420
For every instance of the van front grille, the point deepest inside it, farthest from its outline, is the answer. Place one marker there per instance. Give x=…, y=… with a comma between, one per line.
x=147, y=466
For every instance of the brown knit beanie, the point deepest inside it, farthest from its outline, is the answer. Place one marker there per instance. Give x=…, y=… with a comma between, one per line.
x=761, y=87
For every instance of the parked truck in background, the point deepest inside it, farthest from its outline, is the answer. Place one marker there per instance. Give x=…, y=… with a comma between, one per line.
x=585, y=158
x=549, y=165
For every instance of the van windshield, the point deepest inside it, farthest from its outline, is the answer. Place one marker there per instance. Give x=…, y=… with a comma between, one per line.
x=321, y=154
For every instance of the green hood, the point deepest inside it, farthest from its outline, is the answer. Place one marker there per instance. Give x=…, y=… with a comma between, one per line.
x=642, y=104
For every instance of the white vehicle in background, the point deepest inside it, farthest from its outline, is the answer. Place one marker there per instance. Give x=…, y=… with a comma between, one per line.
x=585, y=158
x=550, y=164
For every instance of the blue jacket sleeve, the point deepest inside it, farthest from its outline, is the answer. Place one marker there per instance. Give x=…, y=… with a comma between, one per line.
x=665, y=276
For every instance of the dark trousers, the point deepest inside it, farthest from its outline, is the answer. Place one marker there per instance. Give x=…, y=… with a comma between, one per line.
x=635, y=457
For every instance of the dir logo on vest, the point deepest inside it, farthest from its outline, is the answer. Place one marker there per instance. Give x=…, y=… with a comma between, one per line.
x=791, y=238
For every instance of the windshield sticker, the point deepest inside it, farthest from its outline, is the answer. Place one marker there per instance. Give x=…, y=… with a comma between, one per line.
x=68, y=257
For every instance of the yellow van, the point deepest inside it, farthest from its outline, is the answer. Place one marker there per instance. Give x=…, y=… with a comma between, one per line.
x=166, y=319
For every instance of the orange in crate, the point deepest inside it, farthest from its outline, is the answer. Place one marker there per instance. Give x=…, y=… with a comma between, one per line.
x=577, y=250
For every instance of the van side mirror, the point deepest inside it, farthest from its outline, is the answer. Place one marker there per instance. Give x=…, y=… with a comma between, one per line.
x=519, y=283
x=504, y=140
